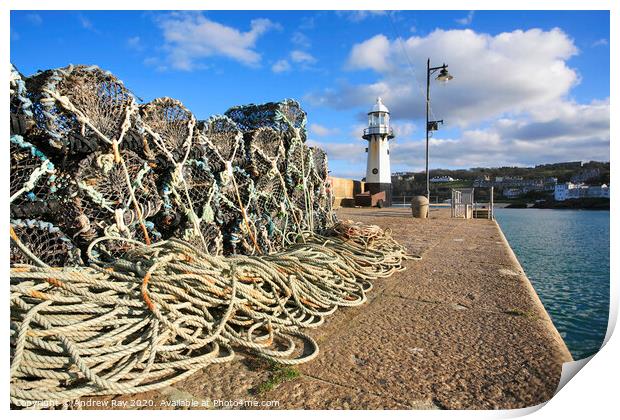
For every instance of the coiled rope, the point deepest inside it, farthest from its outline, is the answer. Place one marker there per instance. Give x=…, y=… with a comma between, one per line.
x=167, y=310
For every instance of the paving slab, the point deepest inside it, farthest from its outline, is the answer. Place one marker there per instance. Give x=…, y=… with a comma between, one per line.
x=458, y=358
x=315, y=394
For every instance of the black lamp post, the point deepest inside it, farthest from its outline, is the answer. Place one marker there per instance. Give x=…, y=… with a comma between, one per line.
x=443, y=76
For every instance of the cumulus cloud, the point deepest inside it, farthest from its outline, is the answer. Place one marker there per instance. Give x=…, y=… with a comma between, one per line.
x=509, y=72
x=87, y=24
x=34, y=18
x=281, y=66
x=191, y=37
x=359, y=15
x=135, y=43
x=576, y=132
x=467, y=20
x=300, y=39
x=600, y=42
x=352, y=153
x=403, y=129
x=322, y=131
x=302, y=57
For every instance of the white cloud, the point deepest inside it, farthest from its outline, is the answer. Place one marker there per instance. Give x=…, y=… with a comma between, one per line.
x=600, y=42
x=302, y=57
x=135, y=43
x=372, y=53
x=34, y=18
x=359, y=15
x=576, y=132
x=467, y=20
x=302, y=60
x=191, y=37
x=403, y=129
x=512, y=72
x=298, y=38
x=352, y=153
x=357, y=131
x=307, y=22
x=281, y=66
x=87, y=24
x=156, y=63
x=323, y=131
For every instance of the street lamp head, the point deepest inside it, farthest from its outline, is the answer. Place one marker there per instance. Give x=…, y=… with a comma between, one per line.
x=444, y=76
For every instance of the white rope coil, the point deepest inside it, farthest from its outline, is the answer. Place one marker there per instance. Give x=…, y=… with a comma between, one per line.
x=166, y=310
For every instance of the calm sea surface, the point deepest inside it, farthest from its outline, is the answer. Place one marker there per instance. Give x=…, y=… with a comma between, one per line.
x=565, y=254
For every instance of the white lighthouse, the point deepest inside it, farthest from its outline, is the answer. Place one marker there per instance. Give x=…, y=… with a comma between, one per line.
x=378, y=134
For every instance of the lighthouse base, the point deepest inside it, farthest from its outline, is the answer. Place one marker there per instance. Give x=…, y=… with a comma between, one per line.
x=376, y=187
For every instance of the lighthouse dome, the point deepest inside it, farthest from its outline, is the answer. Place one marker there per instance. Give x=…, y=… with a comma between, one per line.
x=379, y=107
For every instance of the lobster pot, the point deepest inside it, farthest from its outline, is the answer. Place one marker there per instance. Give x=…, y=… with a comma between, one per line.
x=80, y=109
x=44, y=241
x=286, y=117
x=96, y=164
x=20, y=105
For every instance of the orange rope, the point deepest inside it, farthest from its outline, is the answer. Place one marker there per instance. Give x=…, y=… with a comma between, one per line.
x=145, y=294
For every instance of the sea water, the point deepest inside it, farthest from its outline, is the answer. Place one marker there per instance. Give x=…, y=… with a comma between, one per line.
x=565, y=254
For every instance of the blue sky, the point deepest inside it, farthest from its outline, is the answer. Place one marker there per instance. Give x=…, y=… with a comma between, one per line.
x=529, y=87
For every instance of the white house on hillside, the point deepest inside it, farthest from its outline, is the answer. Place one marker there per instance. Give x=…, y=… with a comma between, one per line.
x=442, y=179
x=569, y=191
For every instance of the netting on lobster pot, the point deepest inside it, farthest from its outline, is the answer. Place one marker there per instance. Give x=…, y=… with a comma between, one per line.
x=209, y=231
x=169, y=129
x=267, y=162
x=286, y=117
x=320, y=193
x=20, y=105
x=192, y=215
x=277, y=115
x=106, y=197
x=33, y=175
x=81, y=108
x=44, y=241
x=274, y=216
x=238, y=211
x=266, y=151
x=223, y=143
x=298, y=168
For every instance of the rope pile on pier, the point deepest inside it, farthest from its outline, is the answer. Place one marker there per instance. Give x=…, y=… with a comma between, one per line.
x=146, y=245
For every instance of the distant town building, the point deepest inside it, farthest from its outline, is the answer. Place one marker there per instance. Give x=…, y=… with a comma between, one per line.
x=442, y=179
x=512, y=192
x=515, y=186
x=586, y=175
x=404, y=176
x=570, y=191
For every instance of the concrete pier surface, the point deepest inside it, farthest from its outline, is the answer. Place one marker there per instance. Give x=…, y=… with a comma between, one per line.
x=460, y=328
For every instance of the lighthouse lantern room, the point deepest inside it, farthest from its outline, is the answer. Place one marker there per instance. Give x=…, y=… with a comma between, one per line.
x=378, y=134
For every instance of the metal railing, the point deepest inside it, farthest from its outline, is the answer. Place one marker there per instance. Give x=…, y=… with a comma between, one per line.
x=380, y=129
x=463, y=204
